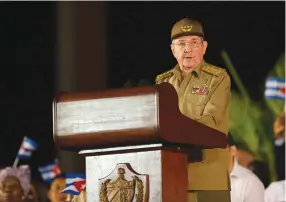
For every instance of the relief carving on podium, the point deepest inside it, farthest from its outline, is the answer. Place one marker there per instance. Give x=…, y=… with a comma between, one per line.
x=124, y=185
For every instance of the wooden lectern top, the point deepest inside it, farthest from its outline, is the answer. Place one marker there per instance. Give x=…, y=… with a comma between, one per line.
x=127, y=116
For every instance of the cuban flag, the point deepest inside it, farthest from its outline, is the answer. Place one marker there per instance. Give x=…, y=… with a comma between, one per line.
x=275, y=88
x=75, y=183
x=50, y=171
x=28, y=145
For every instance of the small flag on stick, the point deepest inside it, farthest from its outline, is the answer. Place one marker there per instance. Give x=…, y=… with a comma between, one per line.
x=28, y=145
x=50, y=171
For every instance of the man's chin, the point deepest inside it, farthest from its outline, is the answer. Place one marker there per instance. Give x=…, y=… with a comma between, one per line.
x=188, y=68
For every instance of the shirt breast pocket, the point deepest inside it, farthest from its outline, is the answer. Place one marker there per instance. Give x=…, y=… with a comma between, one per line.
x=197, y=100
x=196, y=104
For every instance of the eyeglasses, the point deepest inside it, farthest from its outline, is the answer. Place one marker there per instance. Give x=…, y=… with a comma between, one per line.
x=193, y=44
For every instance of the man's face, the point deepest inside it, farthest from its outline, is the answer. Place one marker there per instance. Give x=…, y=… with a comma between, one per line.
x=54, y=193
x=189, y=51
x=11, y=190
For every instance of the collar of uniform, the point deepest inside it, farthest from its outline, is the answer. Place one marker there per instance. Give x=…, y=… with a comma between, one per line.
x=236, y=170
x=197, y=70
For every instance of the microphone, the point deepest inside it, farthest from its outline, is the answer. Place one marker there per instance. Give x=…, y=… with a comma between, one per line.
x=135, y=82
x=131, y=83
x=144, y=82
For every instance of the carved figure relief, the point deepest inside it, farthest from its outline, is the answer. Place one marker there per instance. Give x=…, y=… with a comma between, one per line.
x=126, y=186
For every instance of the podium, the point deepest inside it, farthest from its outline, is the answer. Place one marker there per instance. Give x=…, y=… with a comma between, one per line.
x=137, y=144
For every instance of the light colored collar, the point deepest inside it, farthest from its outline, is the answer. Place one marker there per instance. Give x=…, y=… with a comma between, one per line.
x=235, y=171
x=279, y=141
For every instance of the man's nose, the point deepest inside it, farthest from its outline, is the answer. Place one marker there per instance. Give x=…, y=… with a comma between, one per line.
x=188, y=48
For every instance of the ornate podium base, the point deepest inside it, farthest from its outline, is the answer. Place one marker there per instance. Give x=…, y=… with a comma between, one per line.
x=147, y=173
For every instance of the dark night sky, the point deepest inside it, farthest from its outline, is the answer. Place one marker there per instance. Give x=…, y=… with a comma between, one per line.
x=27, y=78
x=138, y=41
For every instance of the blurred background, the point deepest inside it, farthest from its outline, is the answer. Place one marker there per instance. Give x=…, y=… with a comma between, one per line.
x=48, y=47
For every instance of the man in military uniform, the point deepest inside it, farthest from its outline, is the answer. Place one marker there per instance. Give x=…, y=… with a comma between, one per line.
x=204, y=94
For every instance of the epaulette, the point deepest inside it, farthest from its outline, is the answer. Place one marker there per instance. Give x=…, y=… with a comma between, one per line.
x=163, y=75
x=213, y=69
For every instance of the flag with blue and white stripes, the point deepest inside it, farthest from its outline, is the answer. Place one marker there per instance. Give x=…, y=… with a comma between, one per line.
x=50, y=171
x=28, y=145
x=275, y=88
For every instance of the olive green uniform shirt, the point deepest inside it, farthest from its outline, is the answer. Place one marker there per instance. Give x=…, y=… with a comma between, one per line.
x=204, y=96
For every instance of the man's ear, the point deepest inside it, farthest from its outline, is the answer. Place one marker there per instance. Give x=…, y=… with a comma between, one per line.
x=172, y=49
x=233, y=150
x=205, y=45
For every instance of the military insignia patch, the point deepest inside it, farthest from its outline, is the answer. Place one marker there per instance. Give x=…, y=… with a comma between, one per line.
x=186, y=28
x=163, y=75
x=212, y=70
x=204, y=90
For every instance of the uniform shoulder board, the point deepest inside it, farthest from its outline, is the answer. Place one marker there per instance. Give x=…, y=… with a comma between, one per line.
x=163, y=75
x=213, y=69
